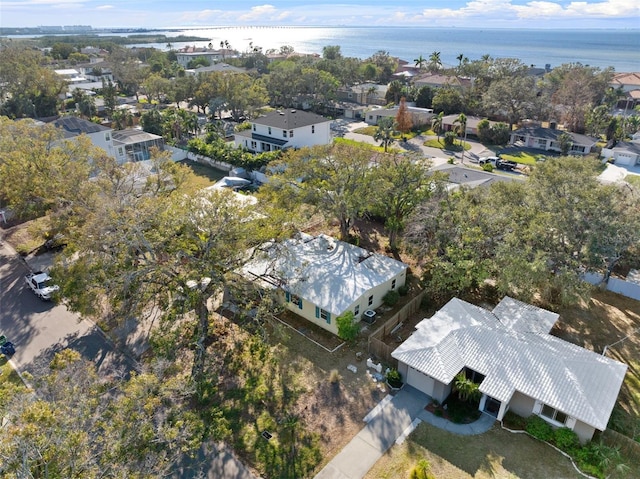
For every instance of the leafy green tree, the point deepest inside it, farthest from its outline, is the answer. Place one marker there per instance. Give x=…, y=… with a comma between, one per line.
x=156, y=87
x=198, y=62
x=435, y=62
x=565, y=142
x=61, y=50
x=394, y=92
x=436, y=124
x=331, y=52
x=332, y=180
x=28, y=89
x=402, y=182
x=40, y=172
x=514, y=96
x=109, y=94
x=424, y=97
x=385, y=132
x=161, y=246
x=448, y=100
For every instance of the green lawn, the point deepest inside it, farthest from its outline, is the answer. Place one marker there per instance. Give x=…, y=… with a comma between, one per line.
x=522, y=157
x=435, y=143
x=494, y=454
x=346, y=141
x=371, y=131
x=633, y=179
x=205, y=174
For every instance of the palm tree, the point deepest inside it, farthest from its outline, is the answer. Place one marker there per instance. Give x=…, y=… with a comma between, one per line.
x=435, y=62
x=384, y=133
x=461, y=130
x=460, y=58
x=420, y=62
x=436, y=123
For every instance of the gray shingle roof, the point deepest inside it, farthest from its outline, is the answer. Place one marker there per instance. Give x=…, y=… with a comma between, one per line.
x=553, y=134
x=289, y=119
x=567, y=377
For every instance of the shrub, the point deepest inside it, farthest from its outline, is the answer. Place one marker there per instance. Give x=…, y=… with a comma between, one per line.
x=539, y=428
x=487, y=167
x=513, y=421
x=394, y=378
x=403, y=290
x=565, y=439
x=334, y=376
x=449, y=139
x=348, y=329
x=451, y=160
x=391, y=298
x=422, y=470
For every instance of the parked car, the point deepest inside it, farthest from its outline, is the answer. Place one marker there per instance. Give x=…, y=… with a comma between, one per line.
x=506, y=165
x=41, y=284
x=6, y=347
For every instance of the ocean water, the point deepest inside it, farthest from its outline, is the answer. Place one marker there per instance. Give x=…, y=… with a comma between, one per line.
x=619, y=49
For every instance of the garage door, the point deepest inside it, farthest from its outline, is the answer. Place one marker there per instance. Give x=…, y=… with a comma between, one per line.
x=420, y=381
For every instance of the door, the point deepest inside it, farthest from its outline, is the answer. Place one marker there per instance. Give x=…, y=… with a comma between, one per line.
x=420, y=381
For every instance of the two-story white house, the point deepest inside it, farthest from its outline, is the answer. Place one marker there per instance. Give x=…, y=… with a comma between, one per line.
x=100, y=135
x=282, y=129
x=320, y=278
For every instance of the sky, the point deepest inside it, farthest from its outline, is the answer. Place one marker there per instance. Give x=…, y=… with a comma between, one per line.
x=436, y=13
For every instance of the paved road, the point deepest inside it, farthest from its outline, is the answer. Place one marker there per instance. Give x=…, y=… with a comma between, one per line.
x=39, y=328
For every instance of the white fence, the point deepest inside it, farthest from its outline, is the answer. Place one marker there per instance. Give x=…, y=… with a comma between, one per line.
x=620, y=286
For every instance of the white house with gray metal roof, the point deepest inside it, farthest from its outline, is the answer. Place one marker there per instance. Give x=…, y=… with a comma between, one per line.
x=547, y=139
x=518, y=365
x=282, y=129
x=322, y=278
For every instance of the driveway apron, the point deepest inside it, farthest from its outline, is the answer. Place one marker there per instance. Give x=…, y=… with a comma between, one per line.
x=364, y=450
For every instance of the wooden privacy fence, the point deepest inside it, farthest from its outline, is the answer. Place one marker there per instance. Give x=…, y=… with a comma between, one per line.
x=376, y=344
x=629, y=448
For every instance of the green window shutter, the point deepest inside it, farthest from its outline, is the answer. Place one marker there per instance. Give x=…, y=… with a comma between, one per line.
x=287, y=296
x=328, y=317
x=299, y=303
x=317, y=311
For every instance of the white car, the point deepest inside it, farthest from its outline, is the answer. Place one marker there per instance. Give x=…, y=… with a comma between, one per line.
x=41, y=284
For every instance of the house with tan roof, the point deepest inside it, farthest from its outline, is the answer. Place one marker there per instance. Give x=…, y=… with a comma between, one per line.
x=629, y=84
x=437, y=80
x=517, y=364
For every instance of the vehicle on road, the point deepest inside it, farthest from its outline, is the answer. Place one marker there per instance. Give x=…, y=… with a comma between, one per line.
x=41, y=284
x=6, y=347
x=499, y=163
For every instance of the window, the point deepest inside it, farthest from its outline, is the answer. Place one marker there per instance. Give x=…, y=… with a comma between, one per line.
x=313, y=128
x=284, y=133
x=296, y=300
x=119, y=151
x=356, y=310
x=553, y=414
x=393, y=284
x=107, y=136
x=321, y=313
x=254, y=127
x=370, y=300
x=290, y=133
x=269, y=130
x=254, y=145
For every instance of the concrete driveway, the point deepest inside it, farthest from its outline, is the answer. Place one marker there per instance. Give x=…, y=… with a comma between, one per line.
x=392, y=421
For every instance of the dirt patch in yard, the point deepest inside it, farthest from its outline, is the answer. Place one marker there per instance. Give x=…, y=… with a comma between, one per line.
x=613, y=321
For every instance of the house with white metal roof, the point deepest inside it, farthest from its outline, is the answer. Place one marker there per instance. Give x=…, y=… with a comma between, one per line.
x=322, y=278
x=518, y=365
x=282, y=129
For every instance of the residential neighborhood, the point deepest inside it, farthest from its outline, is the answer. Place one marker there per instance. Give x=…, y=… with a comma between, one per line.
x=267, y=263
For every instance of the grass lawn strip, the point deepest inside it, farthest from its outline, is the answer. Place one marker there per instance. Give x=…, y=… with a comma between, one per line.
x=494, y=454
x=435, y=143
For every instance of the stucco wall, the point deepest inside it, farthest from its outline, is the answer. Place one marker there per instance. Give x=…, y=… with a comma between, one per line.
x=521, y=405
x=584, y=431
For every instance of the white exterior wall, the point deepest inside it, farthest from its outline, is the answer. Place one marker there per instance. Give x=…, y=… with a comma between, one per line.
x=621, y=157
x=302, y=137
x=584, y=431
x=521, y=404
x=420, y=381
x=104, y=140
x=308, y=310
